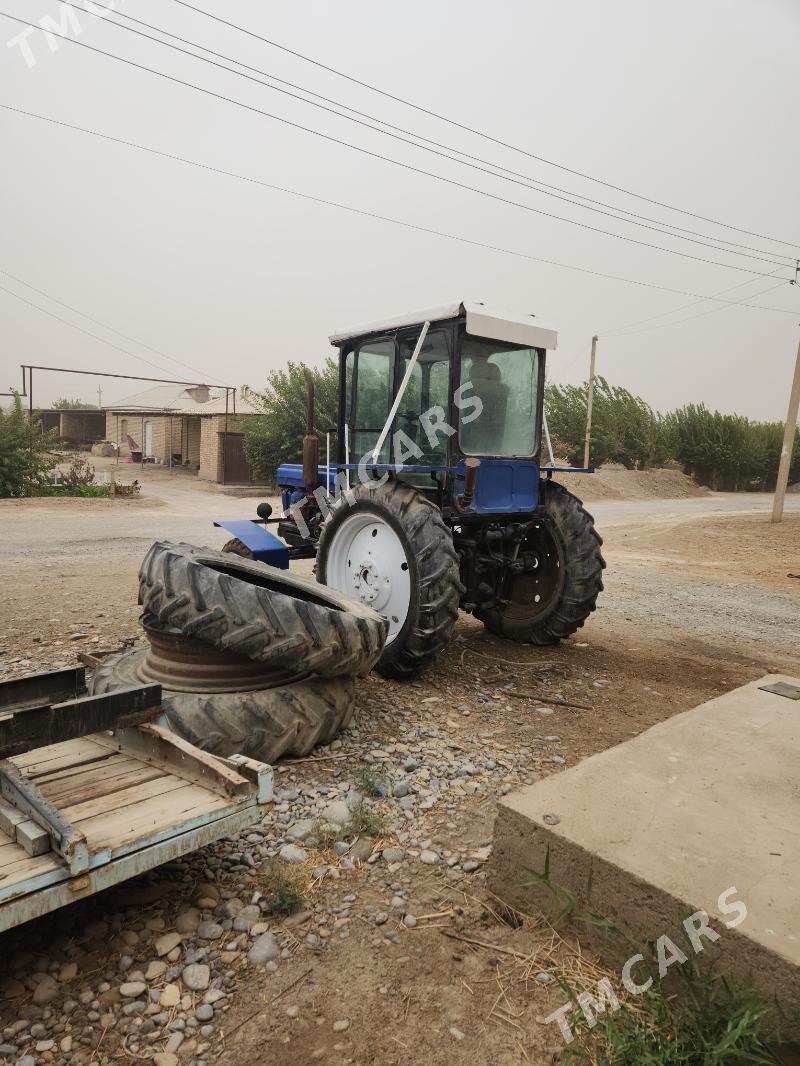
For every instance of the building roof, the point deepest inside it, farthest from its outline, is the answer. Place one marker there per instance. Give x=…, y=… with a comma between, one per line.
x=482, y=321
x=180, y=400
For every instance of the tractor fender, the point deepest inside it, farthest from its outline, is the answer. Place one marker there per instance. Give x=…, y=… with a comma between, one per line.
x=264, y=546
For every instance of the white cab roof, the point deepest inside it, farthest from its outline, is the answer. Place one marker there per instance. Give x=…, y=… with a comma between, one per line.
x=482, y=321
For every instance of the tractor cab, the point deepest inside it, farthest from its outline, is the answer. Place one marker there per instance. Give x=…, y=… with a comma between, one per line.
x=436, y=388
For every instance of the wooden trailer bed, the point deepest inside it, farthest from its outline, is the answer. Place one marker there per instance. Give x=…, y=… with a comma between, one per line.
x=91, y=811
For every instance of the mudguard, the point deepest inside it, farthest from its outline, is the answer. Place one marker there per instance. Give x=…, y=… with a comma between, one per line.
x=265, y=546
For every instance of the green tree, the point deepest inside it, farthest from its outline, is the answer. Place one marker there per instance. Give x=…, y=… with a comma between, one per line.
x=277, y=436
x=25, y=461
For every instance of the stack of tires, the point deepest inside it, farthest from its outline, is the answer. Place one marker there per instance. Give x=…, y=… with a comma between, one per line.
x=310, y=642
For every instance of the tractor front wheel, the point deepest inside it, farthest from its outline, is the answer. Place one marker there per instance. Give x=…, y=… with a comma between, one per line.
x=389, y=547
x=554, y=599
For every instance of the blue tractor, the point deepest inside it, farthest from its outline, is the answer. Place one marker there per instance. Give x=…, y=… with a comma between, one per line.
x=438, y=499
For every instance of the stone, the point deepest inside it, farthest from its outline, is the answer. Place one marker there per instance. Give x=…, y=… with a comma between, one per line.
x=132, y=989
x=174, y=1042
x=430, y=858
x=246, y=918
x=155, y=969
x=336, y=812
x=66, y=1044
x=165, y=1058
x=196, y=976
x=204, y=1013
x=167, y=943
x=409, y=921
x=188, y=921
x=456, y=1033
x=209, y=930
x=394, y=854
x=292, y=1012
x=45, y=992
x=341, y=1026
x=68, y=972
x=170, y=996
x=302, y=830
x=264, y=949
x=550, y=819
x=292, y=854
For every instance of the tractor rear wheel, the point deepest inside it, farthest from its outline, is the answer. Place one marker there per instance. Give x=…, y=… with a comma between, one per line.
x=553, y=600
x=389, y=547
x=234, y=546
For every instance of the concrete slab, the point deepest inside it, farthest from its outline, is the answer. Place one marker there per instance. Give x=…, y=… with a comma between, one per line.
x=667, y=822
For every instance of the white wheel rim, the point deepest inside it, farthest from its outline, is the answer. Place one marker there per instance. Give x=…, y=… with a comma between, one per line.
x=367, y=562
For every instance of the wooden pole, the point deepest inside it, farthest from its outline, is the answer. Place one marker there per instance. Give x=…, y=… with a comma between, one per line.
x=589, y=402
x=788, y=444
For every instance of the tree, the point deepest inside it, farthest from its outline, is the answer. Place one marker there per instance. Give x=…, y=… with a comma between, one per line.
x=76, y=404
x=25, y=461
x=277, y=436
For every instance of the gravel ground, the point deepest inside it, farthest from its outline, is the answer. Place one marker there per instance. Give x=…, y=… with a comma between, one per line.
x=393, y=952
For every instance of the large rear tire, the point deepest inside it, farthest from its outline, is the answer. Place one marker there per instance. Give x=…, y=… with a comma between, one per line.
x=265, y=724
x=389, y=547
x=552, y=602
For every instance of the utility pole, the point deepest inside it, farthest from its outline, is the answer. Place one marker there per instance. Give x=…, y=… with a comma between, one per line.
x=788, y=444
x=99, y=395
x=589, y=402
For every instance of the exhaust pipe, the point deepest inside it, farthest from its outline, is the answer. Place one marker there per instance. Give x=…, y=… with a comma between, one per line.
x=311, y=440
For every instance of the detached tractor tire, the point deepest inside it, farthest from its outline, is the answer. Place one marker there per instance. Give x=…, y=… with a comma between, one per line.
x=264, y=724
x=553, y=601
x=389, y=547
x=250, y=609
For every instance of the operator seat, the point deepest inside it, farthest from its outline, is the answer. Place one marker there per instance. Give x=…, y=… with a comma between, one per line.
x=485, y=435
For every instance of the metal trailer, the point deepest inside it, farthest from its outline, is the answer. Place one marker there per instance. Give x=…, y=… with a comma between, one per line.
x=94, y=791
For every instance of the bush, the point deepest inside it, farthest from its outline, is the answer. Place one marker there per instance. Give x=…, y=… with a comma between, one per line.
x=277, y=437
x=729, y=453
x=625, y=429
x=25, y=459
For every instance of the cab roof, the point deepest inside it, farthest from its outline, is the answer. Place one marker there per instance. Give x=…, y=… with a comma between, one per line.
x=482, y=321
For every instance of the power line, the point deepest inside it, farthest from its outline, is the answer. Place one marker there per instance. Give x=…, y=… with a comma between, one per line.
x=80, y=329
x=683, y=307
x=477, y=132
x=389, y=159
x=527, y=182
x=702, y=314
x=104, y=325
x=383, y=218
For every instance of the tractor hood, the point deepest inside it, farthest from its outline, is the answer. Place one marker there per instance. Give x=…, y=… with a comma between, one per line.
x=483, y=320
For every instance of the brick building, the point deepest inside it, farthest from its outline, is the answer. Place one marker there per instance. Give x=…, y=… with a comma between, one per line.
x=184, y=428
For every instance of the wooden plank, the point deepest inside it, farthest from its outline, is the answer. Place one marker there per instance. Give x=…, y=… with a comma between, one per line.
x=10, y=817
x=68, y=753
x=109, y=806
x=27, y=728
x=120, y=831
x=69, y=774
x=162, y=747
x=33, y=838
x=28, y=874
x=41, y=690
x=65, y=794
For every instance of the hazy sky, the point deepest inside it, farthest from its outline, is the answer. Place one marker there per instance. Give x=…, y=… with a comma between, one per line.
x=694, y=103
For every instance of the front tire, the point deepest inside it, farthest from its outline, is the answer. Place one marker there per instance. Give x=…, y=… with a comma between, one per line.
x=551, y=603
x=391, y=549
